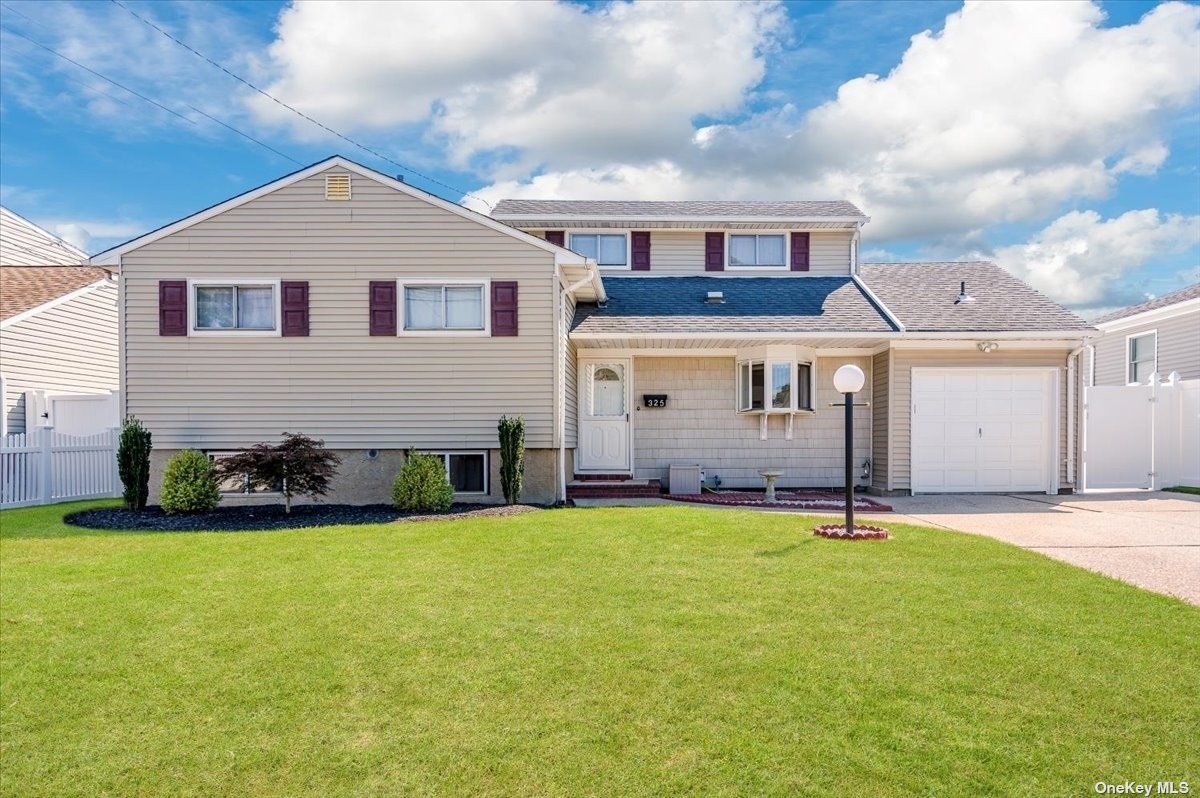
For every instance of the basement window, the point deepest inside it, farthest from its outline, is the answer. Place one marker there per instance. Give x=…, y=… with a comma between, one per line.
x=467, y=471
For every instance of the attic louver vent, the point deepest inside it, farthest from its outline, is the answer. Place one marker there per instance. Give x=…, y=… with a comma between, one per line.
x=337, y=187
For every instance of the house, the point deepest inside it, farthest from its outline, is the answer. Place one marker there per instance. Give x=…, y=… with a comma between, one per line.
x=1159, y=336
x=58, y=334
x=345, y=304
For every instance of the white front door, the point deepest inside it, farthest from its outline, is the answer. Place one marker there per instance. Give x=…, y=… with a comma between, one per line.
x=604, y=416
x=982, y=430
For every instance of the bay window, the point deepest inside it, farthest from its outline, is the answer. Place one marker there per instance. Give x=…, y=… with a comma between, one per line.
x=780, y=386
x=607, y=249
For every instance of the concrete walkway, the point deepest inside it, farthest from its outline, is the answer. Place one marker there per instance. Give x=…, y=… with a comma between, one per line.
x=1149, y=539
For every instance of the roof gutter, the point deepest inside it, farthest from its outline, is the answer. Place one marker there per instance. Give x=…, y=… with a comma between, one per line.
x=588, y=217
x=1069, y=336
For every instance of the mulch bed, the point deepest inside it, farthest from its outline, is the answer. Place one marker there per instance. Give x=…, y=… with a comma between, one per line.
x=797, y=499
x=860, y=532
x=271, y=516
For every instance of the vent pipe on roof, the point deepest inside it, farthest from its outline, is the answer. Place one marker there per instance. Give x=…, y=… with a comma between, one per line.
x=963, y=296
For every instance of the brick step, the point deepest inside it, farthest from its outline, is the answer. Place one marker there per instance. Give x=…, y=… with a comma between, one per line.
x=614, y=489
x=603, y=478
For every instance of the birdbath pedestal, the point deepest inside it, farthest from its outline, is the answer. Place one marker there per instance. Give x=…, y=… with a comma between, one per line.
x=770, y=475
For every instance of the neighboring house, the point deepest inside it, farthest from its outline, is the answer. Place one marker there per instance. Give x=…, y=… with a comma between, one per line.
x=350, y=306
x=1158, y=336
x=58, y=333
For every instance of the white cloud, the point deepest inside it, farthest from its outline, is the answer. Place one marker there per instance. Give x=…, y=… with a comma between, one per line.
x=81, y=233
x=1007, y=112
x=558, y=82
x=1079, y=257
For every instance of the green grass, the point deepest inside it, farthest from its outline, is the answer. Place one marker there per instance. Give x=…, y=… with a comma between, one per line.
x=1184, y=489
x=645, y=651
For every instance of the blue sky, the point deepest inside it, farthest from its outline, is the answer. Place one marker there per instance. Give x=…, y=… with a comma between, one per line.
x=1063, y=140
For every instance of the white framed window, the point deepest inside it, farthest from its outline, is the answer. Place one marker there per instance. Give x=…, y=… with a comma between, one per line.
x=756, y=250
x=444, y=308
x=233, y=307
x=779, y=386
x=610, y=250
x=466, y=471
x=1141, y=356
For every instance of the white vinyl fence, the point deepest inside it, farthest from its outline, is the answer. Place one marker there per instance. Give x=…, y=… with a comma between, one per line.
x=1142, y=436
x=45, y=466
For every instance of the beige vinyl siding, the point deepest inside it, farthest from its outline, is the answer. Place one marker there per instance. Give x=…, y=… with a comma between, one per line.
x=1178, y=349
x=339, y=383
x=880, y=379
x=699, y=425
x=570, y=370
x=70, y=347
x=900, y=400
x=681, y=252
x=23, y=243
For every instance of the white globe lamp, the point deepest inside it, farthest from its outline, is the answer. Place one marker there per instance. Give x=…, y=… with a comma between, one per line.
x=849, y=379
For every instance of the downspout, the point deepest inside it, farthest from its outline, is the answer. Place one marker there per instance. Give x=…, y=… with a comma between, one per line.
x=560, y=352
x=1072, y=357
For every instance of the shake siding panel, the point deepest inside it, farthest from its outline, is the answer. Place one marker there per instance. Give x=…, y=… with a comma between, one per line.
x=900, y=402
x=879, y=420
x=339, y=383
x=699, y=425
x=71, y=348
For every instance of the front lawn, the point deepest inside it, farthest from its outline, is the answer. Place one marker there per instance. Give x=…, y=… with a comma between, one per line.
x=647, y=651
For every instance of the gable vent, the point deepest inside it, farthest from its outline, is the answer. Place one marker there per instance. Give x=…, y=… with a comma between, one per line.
x=337, y=187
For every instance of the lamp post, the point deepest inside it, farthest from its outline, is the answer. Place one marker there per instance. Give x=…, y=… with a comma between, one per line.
x=849, y=380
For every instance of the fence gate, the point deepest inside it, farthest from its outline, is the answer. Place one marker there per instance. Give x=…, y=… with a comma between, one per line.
x=45, y=466
x=1142, y=436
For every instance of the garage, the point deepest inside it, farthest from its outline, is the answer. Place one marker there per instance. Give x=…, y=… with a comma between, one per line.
x=983, y=430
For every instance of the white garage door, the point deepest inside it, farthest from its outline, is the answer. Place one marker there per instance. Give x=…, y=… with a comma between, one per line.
x=982, y=430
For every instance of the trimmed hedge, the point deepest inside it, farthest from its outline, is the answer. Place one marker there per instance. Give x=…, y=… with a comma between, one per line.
x=421, y=484
x=189, y=484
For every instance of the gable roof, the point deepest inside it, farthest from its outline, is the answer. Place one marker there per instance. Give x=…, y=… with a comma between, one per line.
x=113, y=255
x=23, y=242
x=921, y=296
x=1166, y=300
x=24, y=288
x=752, y=305
x=715, y=209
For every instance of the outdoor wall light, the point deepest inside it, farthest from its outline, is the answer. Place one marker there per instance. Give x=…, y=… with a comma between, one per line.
x=987, y=347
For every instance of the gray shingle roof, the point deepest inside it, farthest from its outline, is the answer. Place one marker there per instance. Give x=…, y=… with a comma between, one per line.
x=717, y=209
x=921, y=296
x=1182, y=295
x=752, y=304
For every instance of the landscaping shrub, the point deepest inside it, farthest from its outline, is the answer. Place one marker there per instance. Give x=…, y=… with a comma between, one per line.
x=512, y=457
x=421, y=485
x=189, y=484
x=297, y=466
x=133, y=463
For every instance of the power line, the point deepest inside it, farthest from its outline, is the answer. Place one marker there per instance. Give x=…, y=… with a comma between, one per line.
x=223, y=124
x=299, y=113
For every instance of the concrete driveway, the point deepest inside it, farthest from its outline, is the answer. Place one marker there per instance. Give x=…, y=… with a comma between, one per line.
x=1151, y=540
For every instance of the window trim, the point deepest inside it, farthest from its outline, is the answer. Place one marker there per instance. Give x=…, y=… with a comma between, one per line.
x=787, y=250
x=769, y=385
x=234, y=332
x=487, y=466
x=605, y=231
x=1129, y=354
x=485, y=285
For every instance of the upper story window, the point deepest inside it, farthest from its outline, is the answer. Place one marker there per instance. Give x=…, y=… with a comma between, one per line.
x=444, y=307
x=608, y=249
x=757, y=251
x=1142, y=356
x=251, y=307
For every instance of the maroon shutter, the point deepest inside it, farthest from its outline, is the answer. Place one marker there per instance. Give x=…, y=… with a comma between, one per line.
x=714, y=252
x=294, y=307
x=640, y=245
x=504, y=307
x=383, y=307
x=799, y=252
x=172, y=307
x=557, y=237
